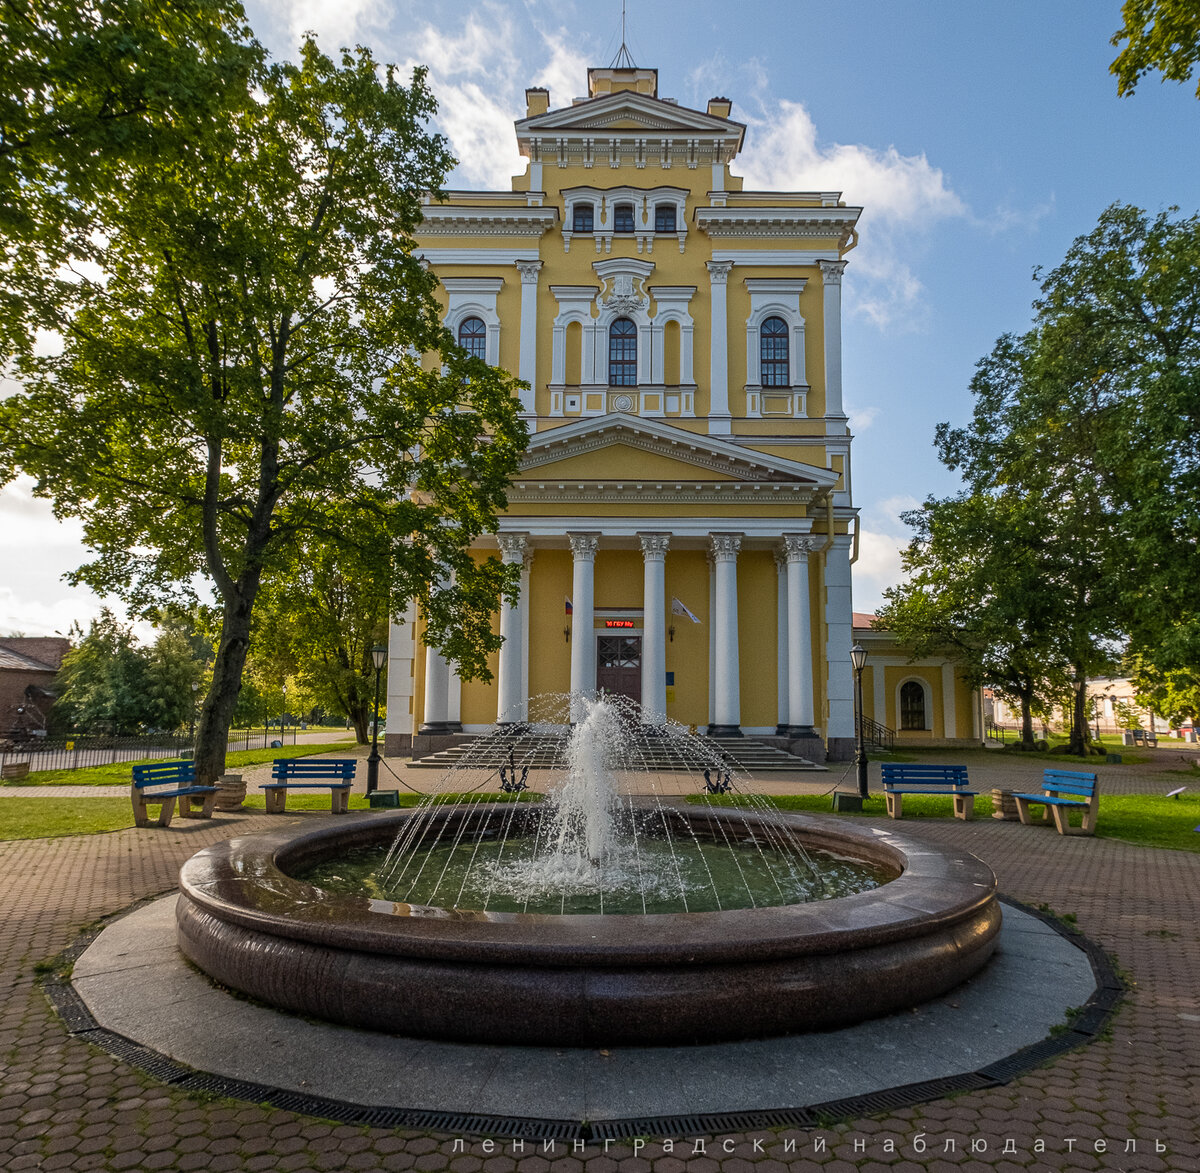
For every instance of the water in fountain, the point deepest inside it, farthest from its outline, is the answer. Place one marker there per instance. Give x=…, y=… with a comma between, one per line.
x=606, y=838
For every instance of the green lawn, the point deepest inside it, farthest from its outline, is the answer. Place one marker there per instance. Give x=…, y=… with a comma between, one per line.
x=51, y=818
x=1149, y=820
x=118, y=773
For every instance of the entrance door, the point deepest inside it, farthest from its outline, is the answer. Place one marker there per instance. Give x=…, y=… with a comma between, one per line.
x=619, y=665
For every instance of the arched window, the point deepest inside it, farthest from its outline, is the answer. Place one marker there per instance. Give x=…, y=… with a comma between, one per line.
x=912, y=705
x=622, y=354
x=582, y=218
x=773, y=354
x=623, y=218
x=472, y=337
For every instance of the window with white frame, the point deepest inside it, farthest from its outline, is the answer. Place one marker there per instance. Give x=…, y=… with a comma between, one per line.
x=472, y=337
x=773, y=363
x=622, y=353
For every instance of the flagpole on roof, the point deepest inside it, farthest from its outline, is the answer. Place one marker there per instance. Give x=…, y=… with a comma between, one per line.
x=623, y=59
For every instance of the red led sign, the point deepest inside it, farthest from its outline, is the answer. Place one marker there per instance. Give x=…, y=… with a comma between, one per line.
x=618, y=623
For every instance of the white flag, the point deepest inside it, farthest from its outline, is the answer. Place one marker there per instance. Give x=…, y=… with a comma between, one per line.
x=677, y=608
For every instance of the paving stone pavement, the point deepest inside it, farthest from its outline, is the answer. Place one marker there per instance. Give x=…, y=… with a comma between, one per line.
x=65, y=1105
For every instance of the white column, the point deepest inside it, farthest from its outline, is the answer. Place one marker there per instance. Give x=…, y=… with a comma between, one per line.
x=527, y=360
x=523, y=606
x=718, y=362
x=726, y=682
x=437, y=693
x=839, y=639
x=402, y=648
x=583, y=637
x=508, y=675
x=831, y=280
x=800, y=674
x=949, y=705
x=654, y=628
x=453, y=698
x=781, y=643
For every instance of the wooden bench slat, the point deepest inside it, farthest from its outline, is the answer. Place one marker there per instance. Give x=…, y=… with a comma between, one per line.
x=900, y=778
x=1062, y=792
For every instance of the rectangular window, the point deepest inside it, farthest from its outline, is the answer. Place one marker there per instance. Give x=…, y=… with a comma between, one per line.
x=664, y=218
x=582, y=218
x=623, y=218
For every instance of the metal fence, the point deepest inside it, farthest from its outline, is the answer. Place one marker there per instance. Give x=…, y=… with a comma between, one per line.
x=75, y=753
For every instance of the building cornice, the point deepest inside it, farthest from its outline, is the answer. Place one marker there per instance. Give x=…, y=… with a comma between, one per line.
x=779, y=223
x=457, y=220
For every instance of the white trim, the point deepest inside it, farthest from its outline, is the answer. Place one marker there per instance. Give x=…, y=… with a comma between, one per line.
x=506, y=257
x=928, y=690
x=775, y=256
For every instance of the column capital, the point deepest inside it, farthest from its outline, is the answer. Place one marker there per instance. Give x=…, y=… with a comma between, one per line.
x=718, y=271
x=780, y=560
x=527, y=557
x=797, y=547
x=654, y=546
x=529, y=271
x=831, y=271
x=512, y=546
x=725, y=547
x=583, y=546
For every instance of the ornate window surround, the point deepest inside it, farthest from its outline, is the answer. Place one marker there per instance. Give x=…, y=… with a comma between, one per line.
x=776, y=297
x=474, y=297
x=604, y=201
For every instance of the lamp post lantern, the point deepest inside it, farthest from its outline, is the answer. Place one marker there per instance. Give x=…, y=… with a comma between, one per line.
x=858, y=658
x=378, y=658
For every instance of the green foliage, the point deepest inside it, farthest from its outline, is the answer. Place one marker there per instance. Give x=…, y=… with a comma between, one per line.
x=88, y=93
x=1163, y=35
x=1174, y=695
x=242, y=372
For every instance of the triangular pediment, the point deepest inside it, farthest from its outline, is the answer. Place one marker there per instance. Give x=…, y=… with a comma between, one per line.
x=618, y=447
x=626, y=110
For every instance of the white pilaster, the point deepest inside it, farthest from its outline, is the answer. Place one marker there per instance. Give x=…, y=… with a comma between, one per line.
x=402, y=648
x=712, y=637
x=831, y=280
x=797, y=547
x=839, y=639
x=728, y=716
x=654, y=628
x=583, y=636
x=949, y=705
x=527, y=566
x=527, y=360
x=512, y=652
x=781, y=643
x=454, y=687
x=718, y=363
x=879, y=692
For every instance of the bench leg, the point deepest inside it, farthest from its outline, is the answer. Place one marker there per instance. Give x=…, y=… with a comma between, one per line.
x=276, y=801
x=894, y=804
x=141, y=816
x=168, y=809
x=1090, y=816
x=964, y=806
x=210, y=802
x=1023, y=811
x=341, y=802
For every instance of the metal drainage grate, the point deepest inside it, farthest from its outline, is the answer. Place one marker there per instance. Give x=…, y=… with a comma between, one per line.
x=704, y=1123
x=70, y=1007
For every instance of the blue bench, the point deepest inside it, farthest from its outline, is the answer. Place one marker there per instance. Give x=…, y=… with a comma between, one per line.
x=901, y=778
x=1064, y=791
x=181, y=778
x=334, y=774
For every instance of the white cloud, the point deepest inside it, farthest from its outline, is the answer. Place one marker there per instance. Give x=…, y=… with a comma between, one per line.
x=861, y=418
x=337, y=25
x=882, y=536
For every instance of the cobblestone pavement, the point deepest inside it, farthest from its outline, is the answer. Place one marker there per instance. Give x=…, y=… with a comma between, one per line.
x=1128, y=1101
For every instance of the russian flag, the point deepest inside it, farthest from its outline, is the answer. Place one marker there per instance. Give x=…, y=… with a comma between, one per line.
x=569, y=608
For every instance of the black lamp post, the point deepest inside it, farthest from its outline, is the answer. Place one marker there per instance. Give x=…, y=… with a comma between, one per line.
x=858, y=657
x=283, y=718
x=378, y=658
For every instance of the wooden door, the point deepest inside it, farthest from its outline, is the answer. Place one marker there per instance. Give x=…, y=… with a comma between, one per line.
x=619, y=665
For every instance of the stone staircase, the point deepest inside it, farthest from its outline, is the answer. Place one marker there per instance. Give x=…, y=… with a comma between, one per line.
x=548, y=751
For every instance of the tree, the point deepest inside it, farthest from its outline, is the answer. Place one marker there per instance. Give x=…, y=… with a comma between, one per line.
x=103, y=679
x=328, y=614
x=88, y=91
x=976, y=589
x=246, y=370
x=1163, y=35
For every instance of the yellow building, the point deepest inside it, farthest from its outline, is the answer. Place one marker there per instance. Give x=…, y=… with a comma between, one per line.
x=683, y=515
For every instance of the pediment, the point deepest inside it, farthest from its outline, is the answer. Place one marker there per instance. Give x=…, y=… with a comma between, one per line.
x=622, y=448
x=626, y=110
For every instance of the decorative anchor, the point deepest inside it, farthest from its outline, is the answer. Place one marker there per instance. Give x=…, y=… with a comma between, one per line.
x=720, y=786
x=509, y=783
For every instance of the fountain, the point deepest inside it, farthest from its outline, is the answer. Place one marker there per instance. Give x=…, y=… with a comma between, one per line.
x=610, y=913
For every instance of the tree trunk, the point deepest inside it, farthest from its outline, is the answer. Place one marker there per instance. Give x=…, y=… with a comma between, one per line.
x=1079, y=729
x=1027, y=738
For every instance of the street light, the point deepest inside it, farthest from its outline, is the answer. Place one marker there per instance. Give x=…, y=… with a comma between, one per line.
x=283, y=718
x=378, y=658
x=1078, y=728
x=858, y=657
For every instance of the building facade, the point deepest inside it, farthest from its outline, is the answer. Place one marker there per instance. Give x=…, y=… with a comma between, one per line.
x=683, y=516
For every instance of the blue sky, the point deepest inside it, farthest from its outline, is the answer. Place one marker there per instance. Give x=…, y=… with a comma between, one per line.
x=981, y=137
